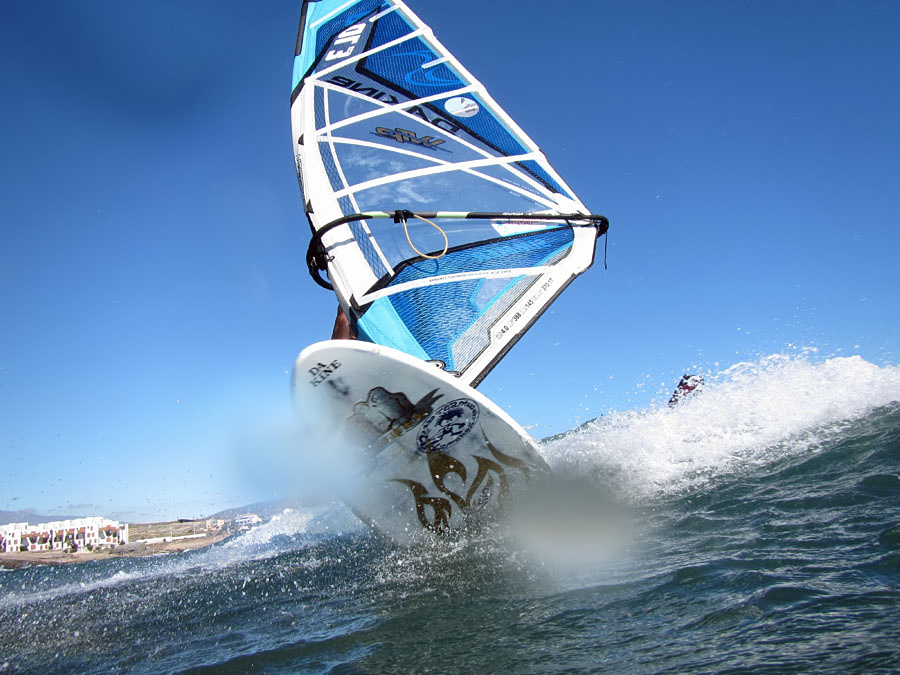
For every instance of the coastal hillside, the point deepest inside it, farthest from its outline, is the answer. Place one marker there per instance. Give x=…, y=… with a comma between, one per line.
x=29, y=516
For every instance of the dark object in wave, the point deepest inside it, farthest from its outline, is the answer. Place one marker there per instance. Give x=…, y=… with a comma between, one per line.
x=688, y=384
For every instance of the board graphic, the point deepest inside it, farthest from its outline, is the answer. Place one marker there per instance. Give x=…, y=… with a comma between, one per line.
x=431, y=455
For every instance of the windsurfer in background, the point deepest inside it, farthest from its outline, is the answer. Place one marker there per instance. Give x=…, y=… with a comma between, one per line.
x=342, y=328
x=688, y=384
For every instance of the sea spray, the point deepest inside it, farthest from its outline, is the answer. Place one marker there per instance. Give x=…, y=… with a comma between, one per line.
x=752, y=412
x=285, y=531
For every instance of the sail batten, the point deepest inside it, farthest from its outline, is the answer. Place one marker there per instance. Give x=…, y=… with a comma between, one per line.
x=443, y=167
x=442, y=228
x=366, y=54
x=506, y=273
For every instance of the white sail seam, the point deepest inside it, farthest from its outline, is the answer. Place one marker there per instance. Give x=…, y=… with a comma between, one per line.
x=398, y=108
x=331, y=14
x=384, y=13
x=449, y=278
x=353, y=59
x=387, y=109
x=541, y=198
x=438, y=61
x=442, y=168
x=384, y=261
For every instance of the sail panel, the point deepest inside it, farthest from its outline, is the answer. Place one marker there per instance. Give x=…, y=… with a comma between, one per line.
x=529, y=250
x=441, y=192
x=471, y=305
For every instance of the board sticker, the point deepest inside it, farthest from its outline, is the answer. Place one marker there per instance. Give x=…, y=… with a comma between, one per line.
x=385, y=416
x=447, y=425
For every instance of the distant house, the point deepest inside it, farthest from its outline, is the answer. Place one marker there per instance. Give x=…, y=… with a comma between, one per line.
x=246, y=520
x=58, y=535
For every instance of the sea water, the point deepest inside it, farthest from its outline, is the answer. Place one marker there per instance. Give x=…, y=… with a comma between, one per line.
x=755, y=527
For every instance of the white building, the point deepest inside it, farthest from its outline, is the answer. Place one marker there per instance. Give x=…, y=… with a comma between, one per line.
x=246, y=520
x=58, y=535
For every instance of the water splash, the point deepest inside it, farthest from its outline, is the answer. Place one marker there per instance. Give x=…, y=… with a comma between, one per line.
x=751, y=413
x=288, y=530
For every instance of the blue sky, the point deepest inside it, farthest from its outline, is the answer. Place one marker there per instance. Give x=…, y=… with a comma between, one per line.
x=153, y=295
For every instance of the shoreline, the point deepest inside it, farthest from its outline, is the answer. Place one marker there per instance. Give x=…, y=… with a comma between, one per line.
x=11, y=561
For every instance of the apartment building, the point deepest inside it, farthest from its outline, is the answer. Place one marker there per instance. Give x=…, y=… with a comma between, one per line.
x=77, y=534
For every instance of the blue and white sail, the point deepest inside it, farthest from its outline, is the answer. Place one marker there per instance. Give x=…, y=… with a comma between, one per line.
x=442, y=227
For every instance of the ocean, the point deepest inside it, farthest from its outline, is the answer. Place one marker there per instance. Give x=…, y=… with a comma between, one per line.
x=754, y=527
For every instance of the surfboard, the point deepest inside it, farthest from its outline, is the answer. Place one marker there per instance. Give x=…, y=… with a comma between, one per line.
x=425, y=454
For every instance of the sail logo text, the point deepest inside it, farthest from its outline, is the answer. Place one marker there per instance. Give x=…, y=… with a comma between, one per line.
x=407, y=136
x=515, y=318
x=372, y=92
x=348, y=36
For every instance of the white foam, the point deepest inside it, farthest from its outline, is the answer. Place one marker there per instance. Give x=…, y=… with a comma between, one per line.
x=287, y=523
x=752, y=412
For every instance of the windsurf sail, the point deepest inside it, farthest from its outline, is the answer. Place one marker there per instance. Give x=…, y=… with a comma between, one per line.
x=441, y=226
